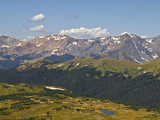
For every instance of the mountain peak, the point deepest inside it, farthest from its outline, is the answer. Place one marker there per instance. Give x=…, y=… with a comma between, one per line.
x=124, y=47
x=128, y=35
x=124, y=33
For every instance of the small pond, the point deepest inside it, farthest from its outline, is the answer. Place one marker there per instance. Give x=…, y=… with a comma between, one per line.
x=107, y=112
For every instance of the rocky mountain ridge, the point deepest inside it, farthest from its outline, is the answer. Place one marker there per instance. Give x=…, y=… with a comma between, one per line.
x=60, y=48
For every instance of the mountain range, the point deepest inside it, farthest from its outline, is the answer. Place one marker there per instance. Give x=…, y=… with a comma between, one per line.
x=61, y=48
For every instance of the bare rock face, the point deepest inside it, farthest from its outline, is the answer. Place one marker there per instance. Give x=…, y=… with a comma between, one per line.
x=62, y=48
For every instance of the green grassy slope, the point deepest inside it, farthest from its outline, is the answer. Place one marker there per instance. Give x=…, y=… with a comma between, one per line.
x=119, y=66
x=124, y=81
x=102, y=65
x=32, y=102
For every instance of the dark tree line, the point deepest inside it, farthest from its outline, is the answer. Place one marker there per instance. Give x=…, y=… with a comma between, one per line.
x=143, y=90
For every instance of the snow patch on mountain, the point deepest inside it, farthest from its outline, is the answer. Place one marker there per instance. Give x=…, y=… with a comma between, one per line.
x=149, y=40
x=115, y=38
x=53, y=36
x=143, y=52
x=155, y=56
x=150, y=49
x=41, y=36
x=137, y=61
x=39, y=45
x=136, y=46
x=19, y=44
x=5, y=46
x=57, y=38
x=63, y=37
x=54, y=88
x=48, y=38
x=53, y=52
x=125, y=33
x=144, y=59
x=77, y=64
x=74, y=43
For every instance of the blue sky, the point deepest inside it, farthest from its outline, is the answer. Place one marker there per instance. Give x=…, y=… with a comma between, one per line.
x=141, y=17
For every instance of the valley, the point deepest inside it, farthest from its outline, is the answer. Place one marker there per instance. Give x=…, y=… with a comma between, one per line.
x=35, y=102
x=116, y=80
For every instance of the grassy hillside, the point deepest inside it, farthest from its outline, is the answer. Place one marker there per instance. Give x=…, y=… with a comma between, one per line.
x=103, y=65
x=24, y=101
x=124, y=81
x=6, y=89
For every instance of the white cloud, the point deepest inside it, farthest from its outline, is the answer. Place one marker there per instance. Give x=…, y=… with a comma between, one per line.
x=39, y=28
x=30, y=37
x=38, y=17
x=85, y=33
x=144, y=36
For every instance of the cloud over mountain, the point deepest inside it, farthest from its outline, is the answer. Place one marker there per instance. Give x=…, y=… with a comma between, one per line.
x=144, y=36
x=39, y=17
x=39, y=28
x=86, y=33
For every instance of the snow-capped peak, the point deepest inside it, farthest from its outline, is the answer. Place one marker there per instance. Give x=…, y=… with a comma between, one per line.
x=125, y=33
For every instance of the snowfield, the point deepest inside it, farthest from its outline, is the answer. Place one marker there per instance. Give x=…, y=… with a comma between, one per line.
x=54, y=88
